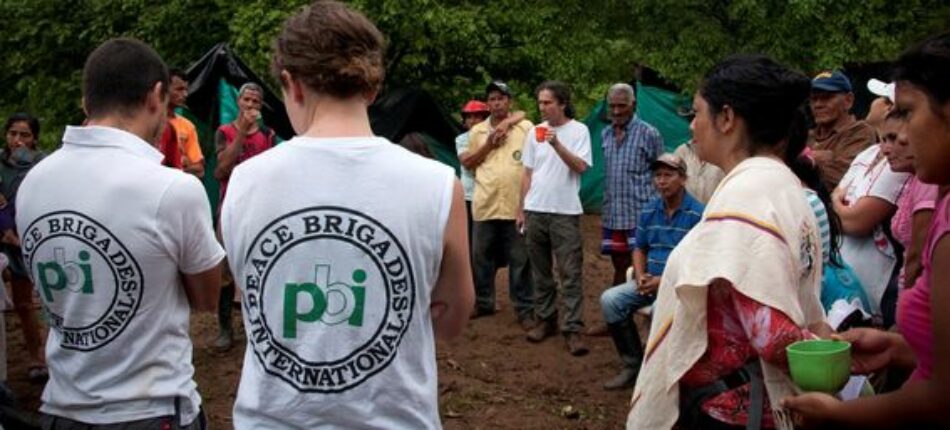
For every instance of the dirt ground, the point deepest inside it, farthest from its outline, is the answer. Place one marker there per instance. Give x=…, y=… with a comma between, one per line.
x=490, y=377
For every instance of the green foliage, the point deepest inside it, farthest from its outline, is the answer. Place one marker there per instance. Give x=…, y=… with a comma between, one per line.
x=807, y=34
x=453, y=48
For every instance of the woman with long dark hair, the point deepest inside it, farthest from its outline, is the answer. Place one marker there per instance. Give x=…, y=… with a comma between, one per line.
x=743, y=284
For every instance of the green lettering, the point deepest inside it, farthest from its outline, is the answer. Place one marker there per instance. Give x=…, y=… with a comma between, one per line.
x=292, y=315
x=46, y=284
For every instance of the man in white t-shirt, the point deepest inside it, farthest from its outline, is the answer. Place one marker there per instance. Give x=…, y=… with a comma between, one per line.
x=550, y=212
x=120, y=249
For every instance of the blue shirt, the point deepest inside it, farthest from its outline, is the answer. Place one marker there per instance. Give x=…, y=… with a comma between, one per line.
x=824, y=226
x=628, y=180
x=657, y=235
x=468, y=181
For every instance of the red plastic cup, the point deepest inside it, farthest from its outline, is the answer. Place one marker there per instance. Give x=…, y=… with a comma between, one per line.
x=540, y=132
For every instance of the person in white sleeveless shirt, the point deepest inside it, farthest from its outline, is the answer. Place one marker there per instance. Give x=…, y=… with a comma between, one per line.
x=351, y=252
x=121, y=249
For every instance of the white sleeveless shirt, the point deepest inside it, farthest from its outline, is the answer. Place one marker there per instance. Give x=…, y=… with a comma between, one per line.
x=336, y=245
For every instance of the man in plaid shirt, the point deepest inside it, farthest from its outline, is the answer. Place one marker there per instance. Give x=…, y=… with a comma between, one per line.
x=630, y=147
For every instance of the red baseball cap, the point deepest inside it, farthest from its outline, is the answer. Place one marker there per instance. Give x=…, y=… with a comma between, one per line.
x=475, y=106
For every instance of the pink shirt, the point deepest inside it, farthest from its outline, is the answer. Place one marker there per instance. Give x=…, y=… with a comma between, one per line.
x=913, y=307
x=916, y=196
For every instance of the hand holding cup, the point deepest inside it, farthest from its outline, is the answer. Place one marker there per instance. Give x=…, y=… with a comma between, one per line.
x=541, y=133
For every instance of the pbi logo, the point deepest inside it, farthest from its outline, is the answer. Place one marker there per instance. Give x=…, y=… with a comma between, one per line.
x=61, y=274
x=330, y=302
x=329, y=293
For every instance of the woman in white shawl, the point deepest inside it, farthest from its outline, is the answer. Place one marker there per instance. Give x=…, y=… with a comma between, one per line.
x=744, y=283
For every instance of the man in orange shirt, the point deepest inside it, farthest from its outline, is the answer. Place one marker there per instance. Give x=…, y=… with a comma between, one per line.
x=192, y=161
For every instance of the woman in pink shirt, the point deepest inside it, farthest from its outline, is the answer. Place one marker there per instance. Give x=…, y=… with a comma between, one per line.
x=915, y=206
x=923, y=344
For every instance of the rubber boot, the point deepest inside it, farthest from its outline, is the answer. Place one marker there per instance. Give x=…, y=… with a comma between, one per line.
x=225, y=333
x=627, y=340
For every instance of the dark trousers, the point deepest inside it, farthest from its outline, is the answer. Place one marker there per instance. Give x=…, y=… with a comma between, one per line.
x=495, y=241
x=171, y=422
x=559, y=236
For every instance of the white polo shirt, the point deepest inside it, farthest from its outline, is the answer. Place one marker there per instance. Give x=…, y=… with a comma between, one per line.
x=106, y=232
x=554, y=186
x=336, y=245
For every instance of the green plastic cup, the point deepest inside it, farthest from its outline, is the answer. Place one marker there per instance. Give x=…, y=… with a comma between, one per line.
x=820, y=365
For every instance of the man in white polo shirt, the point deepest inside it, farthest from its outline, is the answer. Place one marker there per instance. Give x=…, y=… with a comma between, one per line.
x=120, y=248
x=551, y=210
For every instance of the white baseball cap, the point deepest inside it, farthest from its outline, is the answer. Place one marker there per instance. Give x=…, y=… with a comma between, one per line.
x=881, y=88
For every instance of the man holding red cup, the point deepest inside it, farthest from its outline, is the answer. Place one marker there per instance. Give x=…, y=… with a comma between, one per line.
x=550, y=213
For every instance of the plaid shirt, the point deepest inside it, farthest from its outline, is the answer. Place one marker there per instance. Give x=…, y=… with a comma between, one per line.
x=628, y=181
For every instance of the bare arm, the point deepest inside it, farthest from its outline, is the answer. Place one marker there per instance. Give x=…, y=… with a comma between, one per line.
x=227, y=154
x=860, y=218
x=454, y=293
x=920, y=223
x=197, y=169
x=512, y=119
x=639, y=263
x=202, y=289
x=575, y=163
x=471, y=159
x=646, y=283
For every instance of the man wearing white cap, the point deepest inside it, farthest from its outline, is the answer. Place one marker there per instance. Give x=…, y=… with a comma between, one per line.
x=881, y=105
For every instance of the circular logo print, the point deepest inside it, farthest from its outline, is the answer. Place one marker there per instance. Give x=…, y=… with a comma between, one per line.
x=328, y=295
x=89, y=283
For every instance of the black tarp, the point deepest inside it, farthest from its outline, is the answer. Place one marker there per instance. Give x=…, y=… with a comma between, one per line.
x=395, y=113
x=204, y=100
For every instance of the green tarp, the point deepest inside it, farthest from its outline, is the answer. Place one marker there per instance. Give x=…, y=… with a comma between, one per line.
x=657, y=107
x=228, y=112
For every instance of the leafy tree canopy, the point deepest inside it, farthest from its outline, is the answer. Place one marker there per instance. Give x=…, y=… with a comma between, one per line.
x=453, y=48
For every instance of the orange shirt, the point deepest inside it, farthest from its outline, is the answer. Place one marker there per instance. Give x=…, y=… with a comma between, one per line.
x=187, y=139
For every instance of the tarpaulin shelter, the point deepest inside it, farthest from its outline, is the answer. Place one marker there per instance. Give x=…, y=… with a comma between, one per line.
x=212, y=101
x=657, y=106
x=399, y=112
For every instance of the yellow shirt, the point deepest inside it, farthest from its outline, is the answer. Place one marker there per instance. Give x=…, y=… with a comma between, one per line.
x=498, y=178
x=187, y=139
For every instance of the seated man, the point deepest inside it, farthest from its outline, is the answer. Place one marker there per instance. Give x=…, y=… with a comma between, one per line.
x=661, y=226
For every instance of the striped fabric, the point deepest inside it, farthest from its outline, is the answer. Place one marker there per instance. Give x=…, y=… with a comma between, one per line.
x=657, y=235
x=824, y=226
x=628, y=180
x=618, y=241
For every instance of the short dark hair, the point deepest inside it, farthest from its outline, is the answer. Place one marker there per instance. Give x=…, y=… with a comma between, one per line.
x=177, y=73
x=118, y=76
x=927, y=66
x=561, y=92
x=30, y=120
